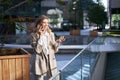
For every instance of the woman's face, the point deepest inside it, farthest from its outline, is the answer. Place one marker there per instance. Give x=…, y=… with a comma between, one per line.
x=44, y=25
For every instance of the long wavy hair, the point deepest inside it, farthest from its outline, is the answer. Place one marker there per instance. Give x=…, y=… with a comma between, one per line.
x=39, y=22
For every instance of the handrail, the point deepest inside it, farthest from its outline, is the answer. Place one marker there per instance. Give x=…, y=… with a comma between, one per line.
x=72, y=60
x=55, y=75
x=77, y=55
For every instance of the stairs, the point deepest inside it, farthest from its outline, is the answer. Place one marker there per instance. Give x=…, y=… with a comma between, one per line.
x=113, y=66
x=77, y=70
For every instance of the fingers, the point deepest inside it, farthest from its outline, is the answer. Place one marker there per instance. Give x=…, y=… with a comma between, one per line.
x=61, y=39
x=41, y=29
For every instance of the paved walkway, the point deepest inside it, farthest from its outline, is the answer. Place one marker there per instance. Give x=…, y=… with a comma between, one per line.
x=82, y=32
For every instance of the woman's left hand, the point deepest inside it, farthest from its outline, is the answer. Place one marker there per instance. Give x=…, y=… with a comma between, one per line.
x=61, y=39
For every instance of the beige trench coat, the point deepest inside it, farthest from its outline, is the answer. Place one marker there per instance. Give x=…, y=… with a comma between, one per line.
x=44, y=64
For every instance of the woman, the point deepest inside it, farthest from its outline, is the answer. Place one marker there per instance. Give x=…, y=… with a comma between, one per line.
x=45, y=46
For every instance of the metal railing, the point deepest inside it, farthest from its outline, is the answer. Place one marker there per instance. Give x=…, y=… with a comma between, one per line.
x=82, y=66
x=79, y=67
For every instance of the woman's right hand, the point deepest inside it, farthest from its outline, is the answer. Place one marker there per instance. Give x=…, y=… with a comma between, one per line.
x=41, y=31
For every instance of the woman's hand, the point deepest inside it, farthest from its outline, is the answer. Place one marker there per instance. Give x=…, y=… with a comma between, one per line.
x=61, y=39
x=41, y=31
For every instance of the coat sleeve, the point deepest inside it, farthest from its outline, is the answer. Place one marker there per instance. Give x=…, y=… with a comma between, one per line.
x=34, y=43
x=55, y=45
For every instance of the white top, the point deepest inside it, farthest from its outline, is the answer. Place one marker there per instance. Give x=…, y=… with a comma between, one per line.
x=44, y=42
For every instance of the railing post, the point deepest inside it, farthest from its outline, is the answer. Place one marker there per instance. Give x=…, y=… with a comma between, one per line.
x=60, y=75
x=81, y=66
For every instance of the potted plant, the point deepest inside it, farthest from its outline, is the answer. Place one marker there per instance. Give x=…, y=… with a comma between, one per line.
x=14, y=64
x=74, y=30
x=93, y=33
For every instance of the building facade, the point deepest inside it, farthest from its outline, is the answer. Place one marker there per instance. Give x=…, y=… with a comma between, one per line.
x=113, y=9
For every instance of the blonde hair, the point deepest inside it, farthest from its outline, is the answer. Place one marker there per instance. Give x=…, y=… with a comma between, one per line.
x=39, y=22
